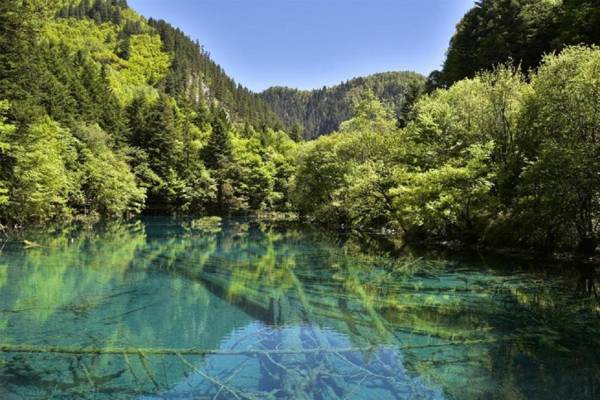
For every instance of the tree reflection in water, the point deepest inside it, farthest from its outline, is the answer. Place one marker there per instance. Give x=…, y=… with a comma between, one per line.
x=179, y=309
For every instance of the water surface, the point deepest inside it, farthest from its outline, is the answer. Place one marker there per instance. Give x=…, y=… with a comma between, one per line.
x=166, y=309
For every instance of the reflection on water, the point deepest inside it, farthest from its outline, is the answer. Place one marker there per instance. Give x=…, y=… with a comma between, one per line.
x=161, y=309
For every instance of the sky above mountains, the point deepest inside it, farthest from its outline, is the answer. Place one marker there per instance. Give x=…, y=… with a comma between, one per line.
x=308, y=44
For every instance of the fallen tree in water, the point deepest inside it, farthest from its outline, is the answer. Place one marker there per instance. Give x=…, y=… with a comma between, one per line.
x=8, y=348
x=70, y=350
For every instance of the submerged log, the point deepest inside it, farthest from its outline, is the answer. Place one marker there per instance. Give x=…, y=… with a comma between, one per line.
x=9, y=348
x=15, y=348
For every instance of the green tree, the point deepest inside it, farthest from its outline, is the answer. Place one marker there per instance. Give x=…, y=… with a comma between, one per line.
x=297, y=132
x=6, y=131
x=217, y=156
x=41, y=184
x=370, y=115
x=496, y=31
x=109, y=185
x=218, y=150
x=453, y=201
x=252, y=180
x=561, y=182
x=370, y=194
x=320, y=175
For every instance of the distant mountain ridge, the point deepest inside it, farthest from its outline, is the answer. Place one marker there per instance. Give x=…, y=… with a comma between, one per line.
x=193, y=76
x=313, y=113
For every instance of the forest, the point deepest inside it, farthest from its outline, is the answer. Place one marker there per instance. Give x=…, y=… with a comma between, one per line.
x=309, y=114
x=104, y=113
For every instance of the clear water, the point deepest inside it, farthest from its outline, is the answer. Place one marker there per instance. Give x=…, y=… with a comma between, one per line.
x=161, y=309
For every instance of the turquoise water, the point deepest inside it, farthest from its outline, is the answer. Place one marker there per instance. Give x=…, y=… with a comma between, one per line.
x=166, y=309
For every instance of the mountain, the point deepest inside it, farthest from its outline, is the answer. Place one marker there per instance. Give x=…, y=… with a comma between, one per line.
x=192, y=74
x=106, y=113
x=319, y=112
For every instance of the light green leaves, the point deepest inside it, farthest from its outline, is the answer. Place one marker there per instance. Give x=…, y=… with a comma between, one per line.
x=493, y=158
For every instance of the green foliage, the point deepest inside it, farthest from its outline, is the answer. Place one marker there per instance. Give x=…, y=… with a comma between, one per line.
x=218, y=150
x=491, y=160
x=147, y=63
x=40, y=183
x=562, y=175
x=140, y=70
x=102, y=120
x=254, y=179
x=196, y=78
x=369, y=198
x=6, y=131
x=104, y=112
x=495, y=31
x=97, y=10
x=168, y=155
x=369, y=115
x=322, y=111
x=109, y=186
x=319, y=176
x=462, y=143
x=452, y=201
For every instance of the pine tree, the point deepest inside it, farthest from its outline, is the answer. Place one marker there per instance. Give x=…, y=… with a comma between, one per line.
x=297, y=132
x=136, y=114
x=16, y=39
x=162, y=136
x=218, y=150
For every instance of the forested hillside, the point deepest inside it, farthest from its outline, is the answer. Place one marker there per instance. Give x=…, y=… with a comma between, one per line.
x=502, y=159
x=495, y=31
x=192, y=74
x=106, y=113
x=321, y=111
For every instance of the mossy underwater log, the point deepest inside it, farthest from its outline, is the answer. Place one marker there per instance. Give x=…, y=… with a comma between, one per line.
x=8, y=348
x=66, y=350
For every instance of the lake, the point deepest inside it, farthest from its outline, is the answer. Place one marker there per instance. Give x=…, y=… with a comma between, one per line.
x=161, y=308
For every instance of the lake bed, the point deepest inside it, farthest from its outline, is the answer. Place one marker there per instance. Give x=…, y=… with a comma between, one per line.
x=161, y=308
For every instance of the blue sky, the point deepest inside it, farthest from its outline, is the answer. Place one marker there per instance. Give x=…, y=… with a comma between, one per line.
x=313, y=43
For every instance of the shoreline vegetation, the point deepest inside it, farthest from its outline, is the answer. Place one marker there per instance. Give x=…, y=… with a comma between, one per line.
x=105, y=114
x=377, y=242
